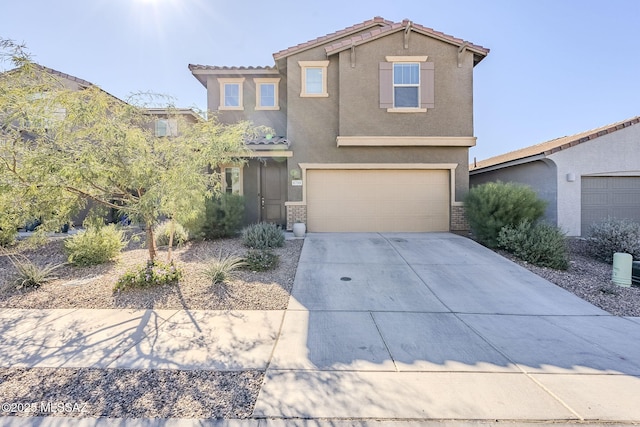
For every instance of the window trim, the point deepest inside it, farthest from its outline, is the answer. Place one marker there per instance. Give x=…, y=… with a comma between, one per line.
x=420, y=60
x=304, y=65
x=223, y=178
x=259, y=81
x=223, y=82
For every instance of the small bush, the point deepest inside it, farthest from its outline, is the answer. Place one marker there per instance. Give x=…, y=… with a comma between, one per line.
x=95, y=245
x=154, y=273
x=8, y=236
x=541, y=244
x=223, y=216
x=163, y=231
x=261, y=260
x=262, y=236
x=494, y=205
x=222, y=268
x=30, y=275
x=614, y=235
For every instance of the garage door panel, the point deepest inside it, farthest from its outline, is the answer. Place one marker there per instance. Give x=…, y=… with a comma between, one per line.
x=378, y=200
x=604, y=196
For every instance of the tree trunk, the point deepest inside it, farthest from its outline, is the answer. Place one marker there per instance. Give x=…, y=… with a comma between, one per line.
x=172, y=230
x=151, y=241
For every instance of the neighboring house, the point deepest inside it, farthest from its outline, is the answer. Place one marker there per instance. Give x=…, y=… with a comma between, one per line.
x=584, y=178
x=372, y=123
x=166, y=121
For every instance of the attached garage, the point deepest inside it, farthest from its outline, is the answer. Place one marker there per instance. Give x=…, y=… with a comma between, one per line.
x=378, y=200
x=615, y=196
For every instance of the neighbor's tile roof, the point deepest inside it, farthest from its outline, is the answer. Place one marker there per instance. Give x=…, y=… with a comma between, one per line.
x=398, y=26
x=78, y=80
x=193, y=67
x=377, y=21
x=555, y=145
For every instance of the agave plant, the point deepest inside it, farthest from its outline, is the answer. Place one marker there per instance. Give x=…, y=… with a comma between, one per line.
x=29, y=274
x=223, y=268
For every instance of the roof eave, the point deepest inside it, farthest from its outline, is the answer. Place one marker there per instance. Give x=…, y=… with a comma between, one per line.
x=507, y=164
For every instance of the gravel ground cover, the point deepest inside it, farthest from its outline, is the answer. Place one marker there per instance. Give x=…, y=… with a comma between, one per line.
x=92, y=287
x=125, y=393
x=590, y=279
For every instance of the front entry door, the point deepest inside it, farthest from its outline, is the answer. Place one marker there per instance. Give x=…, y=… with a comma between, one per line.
x=273, y=192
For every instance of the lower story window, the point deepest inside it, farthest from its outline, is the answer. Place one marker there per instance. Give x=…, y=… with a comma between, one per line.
x=232, y=180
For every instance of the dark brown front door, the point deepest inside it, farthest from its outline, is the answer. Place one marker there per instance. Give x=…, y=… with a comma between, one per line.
x=273, y=191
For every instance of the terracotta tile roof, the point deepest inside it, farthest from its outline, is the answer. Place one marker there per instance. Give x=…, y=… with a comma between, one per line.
x=265, y=141
x=375, y=22
x=356, y=40
x=78, y=80
x=194, y=67
x=555, y=145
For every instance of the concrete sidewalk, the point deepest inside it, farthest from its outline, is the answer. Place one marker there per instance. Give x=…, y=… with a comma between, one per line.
x=391, y=329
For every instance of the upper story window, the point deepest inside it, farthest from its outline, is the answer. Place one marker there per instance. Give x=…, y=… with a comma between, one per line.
x=406, y=84
x=267, y=93
x=166, y=127
x=231, y=94
x=314, y=78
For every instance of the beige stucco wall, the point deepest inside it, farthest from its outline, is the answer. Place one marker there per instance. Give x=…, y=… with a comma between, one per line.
x=276, y=119
x=352, y=108
x=358, y=90
x=615, y=154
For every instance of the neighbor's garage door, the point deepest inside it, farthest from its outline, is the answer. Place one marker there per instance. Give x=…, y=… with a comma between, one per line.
x=377, y=200
x=604, y=196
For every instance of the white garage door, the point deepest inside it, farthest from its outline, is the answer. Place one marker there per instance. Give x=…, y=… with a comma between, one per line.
x=615, y=196
x=378, y=200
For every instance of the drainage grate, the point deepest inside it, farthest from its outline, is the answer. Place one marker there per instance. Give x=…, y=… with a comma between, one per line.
x=345, y=279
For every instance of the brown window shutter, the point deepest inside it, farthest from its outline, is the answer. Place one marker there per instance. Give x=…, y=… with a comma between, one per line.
x=427, y=85
x=386, y=85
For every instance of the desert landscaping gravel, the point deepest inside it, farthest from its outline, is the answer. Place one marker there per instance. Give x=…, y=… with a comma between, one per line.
x=201, y=394
x=590, y=279
x=92, y=287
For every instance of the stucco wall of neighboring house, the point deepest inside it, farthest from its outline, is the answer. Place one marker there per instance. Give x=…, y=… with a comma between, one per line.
x=276, y=119
x=539, y=174
x=613, y=154
x=315, y=122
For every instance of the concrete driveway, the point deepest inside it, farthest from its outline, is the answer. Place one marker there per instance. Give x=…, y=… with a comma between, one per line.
x=434, y=326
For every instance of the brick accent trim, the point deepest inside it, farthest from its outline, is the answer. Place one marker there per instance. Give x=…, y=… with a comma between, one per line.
x=459, y=220
x=296, y=213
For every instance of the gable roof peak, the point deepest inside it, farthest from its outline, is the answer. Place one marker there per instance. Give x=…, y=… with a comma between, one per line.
x=376, y=21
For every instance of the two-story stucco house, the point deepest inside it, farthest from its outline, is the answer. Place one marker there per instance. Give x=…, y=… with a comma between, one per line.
x=373, y=124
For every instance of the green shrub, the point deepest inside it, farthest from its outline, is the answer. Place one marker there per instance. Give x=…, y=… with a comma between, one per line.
x=163, y=231
x=541, y=244
x=154, y=273
x=96, y=245
x=262, y=236
x=223, y=216
x=8, y=236
x=261, y=260
x=614, y=235
x=494, y=205
x=222, y=268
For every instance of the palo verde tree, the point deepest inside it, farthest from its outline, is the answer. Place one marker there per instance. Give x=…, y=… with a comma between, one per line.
x=86, y=145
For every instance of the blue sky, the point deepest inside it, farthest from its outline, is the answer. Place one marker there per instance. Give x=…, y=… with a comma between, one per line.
x=556, y=67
